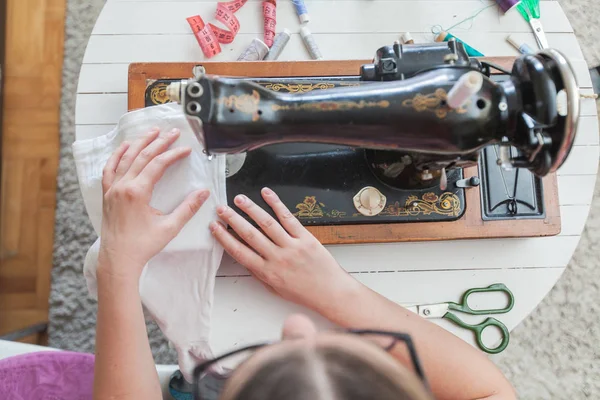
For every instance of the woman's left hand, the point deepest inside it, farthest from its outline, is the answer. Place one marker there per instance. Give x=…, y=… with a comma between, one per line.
x=132, y=231
x=285, y=256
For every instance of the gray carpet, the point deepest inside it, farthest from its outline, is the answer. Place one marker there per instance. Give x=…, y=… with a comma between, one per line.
x=554, y=354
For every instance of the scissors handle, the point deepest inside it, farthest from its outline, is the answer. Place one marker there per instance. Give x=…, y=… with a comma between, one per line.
x=463, y=306
x=478, y=331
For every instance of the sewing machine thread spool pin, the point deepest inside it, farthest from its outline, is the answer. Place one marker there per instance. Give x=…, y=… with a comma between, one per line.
x=407, y=38
x=466, y=86
x=198, y=71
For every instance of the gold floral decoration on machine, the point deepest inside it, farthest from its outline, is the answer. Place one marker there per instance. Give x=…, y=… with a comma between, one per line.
x=246, y=103
x=430, y=203
x=158, y=94
x=332, y=105
x=435, y=102
x=311, y=208
x=297, y=87
x=447, y=204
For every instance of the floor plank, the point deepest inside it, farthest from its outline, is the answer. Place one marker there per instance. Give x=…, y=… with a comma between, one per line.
x=30, y=144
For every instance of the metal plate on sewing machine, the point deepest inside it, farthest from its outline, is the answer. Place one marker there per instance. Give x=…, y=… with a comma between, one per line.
x=512, y=194
x=318, y=182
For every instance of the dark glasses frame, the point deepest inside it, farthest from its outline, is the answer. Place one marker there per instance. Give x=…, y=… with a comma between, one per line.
x=397, y=336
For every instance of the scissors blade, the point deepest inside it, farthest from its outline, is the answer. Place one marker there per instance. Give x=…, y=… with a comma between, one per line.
x=538, y=31
x=430, y=311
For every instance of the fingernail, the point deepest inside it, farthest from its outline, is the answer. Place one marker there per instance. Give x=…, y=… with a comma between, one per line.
x=214, y=226
x=203, y=195
x=267, y=192
x=174, y=132
x=154, y=130
x=240, y=199
x=221, y=209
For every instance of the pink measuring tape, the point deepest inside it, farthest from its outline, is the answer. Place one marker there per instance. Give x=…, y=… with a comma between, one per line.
x=270, y=14
x=209, y=36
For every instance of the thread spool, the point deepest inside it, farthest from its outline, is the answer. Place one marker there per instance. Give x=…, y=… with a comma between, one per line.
x=270, y=15
x=281, y=40
x=407, y=38
x=301, y=11
x=507, y=5
x=310, y=43
x=523, y=47
x=466, y=86
x=255, y=52
x=446, y=36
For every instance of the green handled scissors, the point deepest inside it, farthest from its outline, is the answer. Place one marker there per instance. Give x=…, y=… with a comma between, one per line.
x=442, y=310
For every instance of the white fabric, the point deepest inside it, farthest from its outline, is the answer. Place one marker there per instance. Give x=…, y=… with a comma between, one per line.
x=177, y=285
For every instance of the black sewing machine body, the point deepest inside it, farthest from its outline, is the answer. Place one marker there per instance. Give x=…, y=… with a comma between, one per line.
x=319, y=182
x=320, y=141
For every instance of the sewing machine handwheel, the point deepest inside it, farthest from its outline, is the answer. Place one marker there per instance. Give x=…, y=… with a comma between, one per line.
x=562, y=147
x=563, y=130
x=538, y=90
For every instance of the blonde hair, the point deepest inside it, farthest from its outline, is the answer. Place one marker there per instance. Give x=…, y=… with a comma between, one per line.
x=329, y=373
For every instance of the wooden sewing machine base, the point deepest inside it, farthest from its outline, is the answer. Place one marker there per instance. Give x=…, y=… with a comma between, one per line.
x=470, y=225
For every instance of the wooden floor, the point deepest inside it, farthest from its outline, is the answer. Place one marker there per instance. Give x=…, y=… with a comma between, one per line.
x=30, y=151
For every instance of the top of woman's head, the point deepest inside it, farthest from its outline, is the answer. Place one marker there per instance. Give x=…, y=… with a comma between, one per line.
x=330, y=367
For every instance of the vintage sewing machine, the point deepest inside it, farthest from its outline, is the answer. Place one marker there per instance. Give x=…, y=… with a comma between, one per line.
x=380, y=152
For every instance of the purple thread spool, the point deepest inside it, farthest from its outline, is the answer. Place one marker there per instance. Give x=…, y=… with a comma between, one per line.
x=507, y=5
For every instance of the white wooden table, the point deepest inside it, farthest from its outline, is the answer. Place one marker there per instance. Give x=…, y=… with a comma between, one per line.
x=156, y=31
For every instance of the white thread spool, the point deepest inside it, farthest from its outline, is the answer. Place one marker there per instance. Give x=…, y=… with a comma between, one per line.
x=279, y=43
x=255, y=52
x=311, y=44
x=523, y=48
x=467, y=85
x=407, y=38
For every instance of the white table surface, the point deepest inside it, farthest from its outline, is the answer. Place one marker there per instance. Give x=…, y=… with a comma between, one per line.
x=156, y=31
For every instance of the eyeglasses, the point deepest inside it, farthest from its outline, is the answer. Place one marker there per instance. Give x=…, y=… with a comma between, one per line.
x=210, y=376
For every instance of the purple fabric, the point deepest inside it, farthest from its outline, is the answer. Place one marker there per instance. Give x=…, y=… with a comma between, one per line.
x=506, y=5
x=51, y=375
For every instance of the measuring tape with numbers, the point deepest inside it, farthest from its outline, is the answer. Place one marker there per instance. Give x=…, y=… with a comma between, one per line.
x=209, y=36
x=270, y=15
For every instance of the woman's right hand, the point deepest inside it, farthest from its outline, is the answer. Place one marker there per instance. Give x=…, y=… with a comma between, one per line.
x=287, y=258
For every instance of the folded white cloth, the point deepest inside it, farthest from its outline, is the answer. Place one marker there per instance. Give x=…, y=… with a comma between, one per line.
x=177, y=285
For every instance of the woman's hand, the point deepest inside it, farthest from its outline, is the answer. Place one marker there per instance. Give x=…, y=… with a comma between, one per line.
x=287, y=258
x=132, y=231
